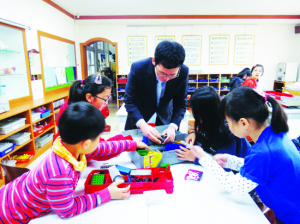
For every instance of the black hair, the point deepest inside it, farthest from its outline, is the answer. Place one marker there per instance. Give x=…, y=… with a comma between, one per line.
x=79, y=122
x=245, y=71
x=78, y=91
x=169, y=54
x=205, y=106
x=244, y=102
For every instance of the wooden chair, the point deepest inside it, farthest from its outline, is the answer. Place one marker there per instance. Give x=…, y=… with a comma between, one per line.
x=12, y=172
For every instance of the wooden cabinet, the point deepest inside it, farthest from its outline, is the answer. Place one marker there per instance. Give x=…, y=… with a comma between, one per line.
x=121, y=80
x=24, y=111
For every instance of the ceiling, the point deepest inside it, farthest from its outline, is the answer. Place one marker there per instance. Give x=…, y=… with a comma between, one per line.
x=176, y=7
x=186, y=12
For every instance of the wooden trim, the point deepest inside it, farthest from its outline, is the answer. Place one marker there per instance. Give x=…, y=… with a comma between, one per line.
x=48, y=35
x=59, y=8
x=17, y=101
x=84, y=57
x=190, y=17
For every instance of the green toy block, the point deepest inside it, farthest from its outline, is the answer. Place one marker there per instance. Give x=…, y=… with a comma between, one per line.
x=142, y=152
x=97, y=179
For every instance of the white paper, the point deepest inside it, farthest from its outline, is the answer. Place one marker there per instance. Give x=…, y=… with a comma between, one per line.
x=218, y=53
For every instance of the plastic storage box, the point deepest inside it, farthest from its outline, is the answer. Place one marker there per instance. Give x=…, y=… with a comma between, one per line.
x=11, y=124
x=43, y=139
x=146, y=161
x=31, y=153
x=202, y=80
x=6, y=148
x=35, y=116
x=19, y=138
x=46, y=113
x=161, y=178
x=122, y=80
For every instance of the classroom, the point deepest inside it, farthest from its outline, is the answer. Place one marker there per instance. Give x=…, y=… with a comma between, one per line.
x=167, y=127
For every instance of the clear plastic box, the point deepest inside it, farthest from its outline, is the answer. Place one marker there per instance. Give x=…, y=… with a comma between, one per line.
x=19, y=138
x=43, y=139
x=35, y=116
x=11, y=124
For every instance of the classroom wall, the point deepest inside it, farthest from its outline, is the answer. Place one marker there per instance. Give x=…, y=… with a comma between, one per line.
x=297, y=49
x=39, y=16
x=274, y=43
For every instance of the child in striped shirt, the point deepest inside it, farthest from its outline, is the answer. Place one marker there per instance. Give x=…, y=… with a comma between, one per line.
x=51, y=185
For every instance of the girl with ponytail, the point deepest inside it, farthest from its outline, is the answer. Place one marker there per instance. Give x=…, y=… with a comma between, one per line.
x=272, y=165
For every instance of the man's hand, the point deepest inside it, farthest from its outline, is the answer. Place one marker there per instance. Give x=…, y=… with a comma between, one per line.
x=170, y=132
x=150, y=132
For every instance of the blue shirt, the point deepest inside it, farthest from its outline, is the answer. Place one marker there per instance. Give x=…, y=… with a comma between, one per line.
x=273, y=162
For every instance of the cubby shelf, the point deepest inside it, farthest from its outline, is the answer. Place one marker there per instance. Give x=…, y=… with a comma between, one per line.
x=24, y=111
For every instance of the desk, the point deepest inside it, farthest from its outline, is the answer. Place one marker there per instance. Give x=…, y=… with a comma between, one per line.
x=191, y=202
x=122, y=116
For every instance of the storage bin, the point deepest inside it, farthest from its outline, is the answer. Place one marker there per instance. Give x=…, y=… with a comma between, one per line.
x=19, y=138
x=192, y=80
x=161, y=178
x=121, y=89
x=147, y=161
x=31, y=153
x=202, y=80
x=6, y=148
x=11, y=124
x=122, y=80
x=35, y=116
x=43, y=139
x=46, y=113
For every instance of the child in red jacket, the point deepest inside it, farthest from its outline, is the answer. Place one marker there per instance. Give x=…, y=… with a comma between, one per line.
x=256, y=72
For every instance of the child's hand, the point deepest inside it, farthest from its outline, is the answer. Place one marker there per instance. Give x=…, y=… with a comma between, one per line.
x=221, y=159
x=141, y=145
x=191, y=138
x=198, y=151
x=118, y=193
x=137, y=139
x=185, y=154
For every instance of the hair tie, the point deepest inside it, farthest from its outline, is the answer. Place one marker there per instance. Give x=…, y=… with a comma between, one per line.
x=82, y=81
x=262, y=94
x=254, y=65
x=98, y=79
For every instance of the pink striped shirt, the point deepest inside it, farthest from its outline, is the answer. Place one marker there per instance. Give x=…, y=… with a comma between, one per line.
x=51, y=185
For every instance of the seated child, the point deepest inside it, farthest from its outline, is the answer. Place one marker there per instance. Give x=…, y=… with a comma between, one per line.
x=51, y=185
x=272, y=165
x=210, y=130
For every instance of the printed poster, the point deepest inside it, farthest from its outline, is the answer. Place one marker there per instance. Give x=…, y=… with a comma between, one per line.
x=219, y=49
x=244, y=49
x=159, y=39
x=192, y=45
x=137, y=48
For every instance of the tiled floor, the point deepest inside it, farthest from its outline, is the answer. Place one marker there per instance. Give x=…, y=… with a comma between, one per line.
x=110, y=120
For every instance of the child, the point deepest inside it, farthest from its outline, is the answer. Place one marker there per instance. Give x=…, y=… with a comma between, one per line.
x=213, y=136
x=239, y=79
x=256, y=72
x=272, y=165
x=96, y=90
x=51, y=185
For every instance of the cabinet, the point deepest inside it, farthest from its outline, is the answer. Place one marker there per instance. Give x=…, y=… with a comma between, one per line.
x=24, y=111
x=279, y=84
x=121, y=80
x=218, y=81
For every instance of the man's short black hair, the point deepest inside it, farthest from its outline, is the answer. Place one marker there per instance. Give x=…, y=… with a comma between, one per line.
x=79, y=122
x=169, y=54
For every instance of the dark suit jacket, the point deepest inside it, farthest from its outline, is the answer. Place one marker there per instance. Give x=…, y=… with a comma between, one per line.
x=140, y=95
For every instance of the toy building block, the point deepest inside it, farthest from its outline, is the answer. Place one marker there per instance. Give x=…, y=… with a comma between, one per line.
x=123, y=170
x=97, y=179
x=142, y=152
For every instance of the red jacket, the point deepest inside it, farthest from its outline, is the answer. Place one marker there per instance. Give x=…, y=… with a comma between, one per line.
x=250, y=82
x=115, y=138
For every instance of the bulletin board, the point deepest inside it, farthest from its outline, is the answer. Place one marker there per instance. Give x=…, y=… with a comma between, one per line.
x=159, y=39
x=244, y=49
x=58, y=62
x=192, y=45
x=137, y=48
x=218, y=49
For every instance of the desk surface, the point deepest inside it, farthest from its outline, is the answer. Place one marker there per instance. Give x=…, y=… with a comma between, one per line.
x=191, y=202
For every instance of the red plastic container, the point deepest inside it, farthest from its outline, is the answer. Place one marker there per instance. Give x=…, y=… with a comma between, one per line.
x=31, y=153
x=36, y=133
x=165, y=181
x=278, y=95
x=106, y=130
x=122, y=80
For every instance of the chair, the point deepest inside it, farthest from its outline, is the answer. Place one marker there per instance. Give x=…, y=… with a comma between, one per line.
x=12, y=172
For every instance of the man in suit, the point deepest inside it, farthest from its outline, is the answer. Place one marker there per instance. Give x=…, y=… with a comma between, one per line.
x=156, y=91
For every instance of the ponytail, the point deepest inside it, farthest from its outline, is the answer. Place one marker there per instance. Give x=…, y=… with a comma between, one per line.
x=93, y=85
x=279, y=119
x=246, y=102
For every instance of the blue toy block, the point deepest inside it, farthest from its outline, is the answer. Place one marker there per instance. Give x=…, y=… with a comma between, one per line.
x=145, y=140
x=123, y=170
x=173, y=146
